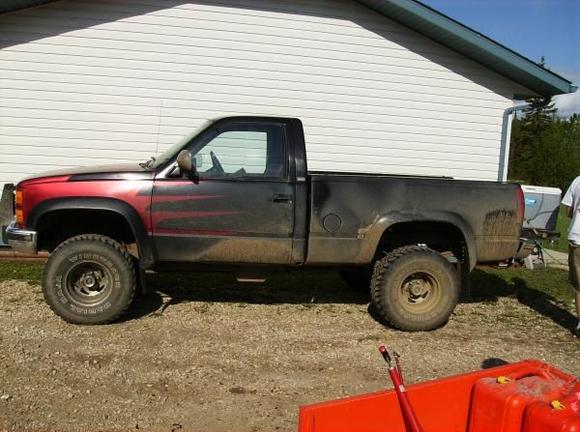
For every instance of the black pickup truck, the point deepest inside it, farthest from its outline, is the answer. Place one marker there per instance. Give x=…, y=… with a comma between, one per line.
x=239, y=194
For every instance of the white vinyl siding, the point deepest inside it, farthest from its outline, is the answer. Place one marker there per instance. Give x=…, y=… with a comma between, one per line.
x=90, y=82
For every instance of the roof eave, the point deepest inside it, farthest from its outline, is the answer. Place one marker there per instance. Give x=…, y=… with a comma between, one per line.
x=7, y=6
x=472, y=44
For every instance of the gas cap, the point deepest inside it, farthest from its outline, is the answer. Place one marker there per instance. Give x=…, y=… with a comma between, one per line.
x=331, y=222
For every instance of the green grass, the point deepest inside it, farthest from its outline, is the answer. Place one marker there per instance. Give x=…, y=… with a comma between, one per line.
x=26, y=271
x=546, y=291
x=548, y=284
x=562, y=226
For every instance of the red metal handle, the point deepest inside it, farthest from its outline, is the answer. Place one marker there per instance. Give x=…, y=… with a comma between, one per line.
x=409, y=417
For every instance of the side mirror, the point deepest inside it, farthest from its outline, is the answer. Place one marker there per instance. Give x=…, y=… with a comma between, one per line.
x=187, y=165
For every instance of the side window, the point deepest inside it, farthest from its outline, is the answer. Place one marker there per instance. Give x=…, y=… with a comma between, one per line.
x=243, y=150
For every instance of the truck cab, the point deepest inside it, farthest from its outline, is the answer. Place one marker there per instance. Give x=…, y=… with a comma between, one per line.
x=239, y=195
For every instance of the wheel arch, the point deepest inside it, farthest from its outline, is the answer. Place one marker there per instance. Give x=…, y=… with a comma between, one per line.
x=431, y=222
x=95, y=206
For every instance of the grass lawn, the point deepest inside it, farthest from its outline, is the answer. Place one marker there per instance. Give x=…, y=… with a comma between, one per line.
x=549, y=284
x=562, y=226
x=27, y=271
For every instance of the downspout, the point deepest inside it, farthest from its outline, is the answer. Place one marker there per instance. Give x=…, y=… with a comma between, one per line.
x=506, y=132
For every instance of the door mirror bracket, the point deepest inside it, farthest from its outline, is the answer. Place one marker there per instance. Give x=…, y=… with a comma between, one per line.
x=187, y=165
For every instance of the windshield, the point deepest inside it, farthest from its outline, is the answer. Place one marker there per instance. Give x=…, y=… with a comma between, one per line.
x=172, y=151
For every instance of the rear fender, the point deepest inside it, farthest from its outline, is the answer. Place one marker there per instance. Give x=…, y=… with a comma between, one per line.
x=375, y=232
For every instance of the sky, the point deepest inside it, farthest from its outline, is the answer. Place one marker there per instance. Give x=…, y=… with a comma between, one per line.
x=533, y=28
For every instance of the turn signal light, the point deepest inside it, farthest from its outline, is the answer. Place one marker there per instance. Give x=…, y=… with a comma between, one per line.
x=18, y=199
x=19, y=216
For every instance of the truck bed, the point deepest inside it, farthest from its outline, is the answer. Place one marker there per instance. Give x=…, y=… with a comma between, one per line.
x=349, y=214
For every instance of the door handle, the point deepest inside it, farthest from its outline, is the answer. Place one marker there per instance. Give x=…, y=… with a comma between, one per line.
x=282, y=198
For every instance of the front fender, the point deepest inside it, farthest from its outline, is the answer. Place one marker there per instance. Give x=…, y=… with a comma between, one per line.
x=122, y=208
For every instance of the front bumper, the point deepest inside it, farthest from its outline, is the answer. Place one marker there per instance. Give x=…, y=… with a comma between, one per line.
x=21, y=240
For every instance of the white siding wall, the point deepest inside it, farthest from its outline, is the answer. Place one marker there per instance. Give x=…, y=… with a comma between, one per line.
x=88, y=82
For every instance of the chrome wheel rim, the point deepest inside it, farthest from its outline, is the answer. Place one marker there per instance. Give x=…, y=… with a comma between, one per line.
x=88, y=283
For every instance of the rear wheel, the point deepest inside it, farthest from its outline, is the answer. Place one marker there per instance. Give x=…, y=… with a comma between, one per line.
x=89, y=279
x=414, y=288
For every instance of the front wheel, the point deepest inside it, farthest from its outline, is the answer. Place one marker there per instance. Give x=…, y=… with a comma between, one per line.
x=414, y=288
x=89, y=279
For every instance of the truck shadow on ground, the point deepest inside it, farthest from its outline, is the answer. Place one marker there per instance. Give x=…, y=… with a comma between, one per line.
x=321, y=287
x=284, y=287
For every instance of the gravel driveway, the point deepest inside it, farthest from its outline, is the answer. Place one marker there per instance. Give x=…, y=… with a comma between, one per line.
x=209, y=354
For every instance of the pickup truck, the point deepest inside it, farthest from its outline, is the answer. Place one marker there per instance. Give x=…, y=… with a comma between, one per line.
x=238, y=194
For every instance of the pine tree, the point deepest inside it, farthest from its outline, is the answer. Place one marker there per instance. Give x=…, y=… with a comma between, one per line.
x=540, y=112
x=531, y=139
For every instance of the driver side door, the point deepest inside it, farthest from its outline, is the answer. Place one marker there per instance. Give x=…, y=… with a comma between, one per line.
x=242, y=209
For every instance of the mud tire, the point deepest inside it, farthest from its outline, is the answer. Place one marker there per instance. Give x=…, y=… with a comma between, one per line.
x=89, y=279
x=414, y=288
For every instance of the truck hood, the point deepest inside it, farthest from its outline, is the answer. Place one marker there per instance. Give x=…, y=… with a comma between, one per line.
x=101, y=172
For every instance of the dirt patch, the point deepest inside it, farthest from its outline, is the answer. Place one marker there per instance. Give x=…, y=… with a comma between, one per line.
x=209, y=354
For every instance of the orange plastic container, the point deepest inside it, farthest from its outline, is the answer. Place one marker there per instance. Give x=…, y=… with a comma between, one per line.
x=441, y=405
x=498, y=403
x=547, y=417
